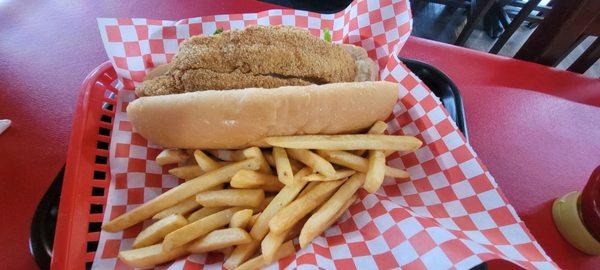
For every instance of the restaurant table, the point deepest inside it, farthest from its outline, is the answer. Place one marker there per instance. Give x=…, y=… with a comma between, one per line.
x=536, y=128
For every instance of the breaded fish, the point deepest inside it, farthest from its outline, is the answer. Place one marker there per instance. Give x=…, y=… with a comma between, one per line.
x=257, y=56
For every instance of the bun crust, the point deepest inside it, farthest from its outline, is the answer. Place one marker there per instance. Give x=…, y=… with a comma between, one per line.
x=243, y=117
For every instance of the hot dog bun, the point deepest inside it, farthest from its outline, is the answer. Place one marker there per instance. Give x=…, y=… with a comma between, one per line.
x=243, y=117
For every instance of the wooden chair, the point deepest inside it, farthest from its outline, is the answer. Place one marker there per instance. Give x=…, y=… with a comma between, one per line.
x=478, y=9
x=475, y=9
x=565, y=27
x=494, y=12
x=521, y=16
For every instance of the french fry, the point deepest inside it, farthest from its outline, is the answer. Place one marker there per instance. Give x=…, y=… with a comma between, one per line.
x=358, y=163
x=311, y=196
x=260, y=226
x=269, y=158
x=150, y=256
x=258, y=262
x=283, y=198
x=198, y=229
x=296, y=210
x=157, y=231
x=296, y=165
x=317, y=223
x=170, y=156
x=340, y=212
x=186, y=172
x=313, y=160
x=252, y=179
x=397, y=173
x=231, y=197
x=308, y=188
x=272, y=186
x=182, y=208
x=205, y=162
x=226, y=251
x=177, y=194
x=227, y=155
x=347, y=142
x=219, y=239
x=376, y=172
x=204, y=212
x=190, y=161
x=284, y=169
x=339, y=174
x=270, y=244
x=316, y=188
x=254, y=152
x=378, y=128
x=252, y=221
x=240, y=254
x=265, y=203
x=240, y=218
x=295, y=231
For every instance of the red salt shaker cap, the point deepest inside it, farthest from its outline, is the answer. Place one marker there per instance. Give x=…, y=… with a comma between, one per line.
x=590, y=204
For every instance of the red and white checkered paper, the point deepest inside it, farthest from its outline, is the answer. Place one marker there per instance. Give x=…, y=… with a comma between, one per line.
x=451, y=214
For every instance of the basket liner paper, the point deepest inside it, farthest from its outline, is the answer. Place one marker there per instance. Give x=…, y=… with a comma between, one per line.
x=451, y=214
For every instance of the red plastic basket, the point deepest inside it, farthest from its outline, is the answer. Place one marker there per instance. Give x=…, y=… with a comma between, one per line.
x=87, y=174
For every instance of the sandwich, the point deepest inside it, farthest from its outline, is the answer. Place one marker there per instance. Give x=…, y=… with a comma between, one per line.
x=233, y=89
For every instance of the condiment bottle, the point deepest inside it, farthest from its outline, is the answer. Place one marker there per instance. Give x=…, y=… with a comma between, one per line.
x=577, y=216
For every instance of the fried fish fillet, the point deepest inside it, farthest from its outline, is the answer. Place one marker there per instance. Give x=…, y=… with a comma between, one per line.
x=257, y=56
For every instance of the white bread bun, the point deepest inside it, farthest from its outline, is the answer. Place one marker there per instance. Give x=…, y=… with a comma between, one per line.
x=243, y=117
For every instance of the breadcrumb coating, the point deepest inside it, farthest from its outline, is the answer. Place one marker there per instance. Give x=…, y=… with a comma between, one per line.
x=258, y=56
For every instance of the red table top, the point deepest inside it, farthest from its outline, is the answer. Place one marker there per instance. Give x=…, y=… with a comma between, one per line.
x=536, y=143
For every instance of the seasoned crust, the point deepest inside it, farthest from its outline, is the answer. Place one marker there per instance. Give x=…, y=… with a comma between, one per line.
x=257, y=56
x=205, y=79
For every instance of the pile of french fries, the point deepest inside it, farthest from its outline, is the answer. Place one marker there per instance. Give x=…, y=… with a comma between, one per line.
x=233, y=202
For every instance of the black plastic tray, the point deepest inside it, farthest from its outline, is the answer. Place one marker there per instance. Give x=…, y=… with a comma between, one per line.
x=443, y=88
x=44, y=220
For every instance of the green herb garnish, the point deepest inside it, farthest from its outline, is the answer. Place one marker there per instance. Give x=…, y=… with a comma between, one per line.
x=326, y=35
x=218, y=31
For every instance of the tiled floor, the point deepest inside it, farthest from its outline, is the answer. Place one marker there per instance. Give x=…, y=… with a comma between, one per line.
x=441, y=23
